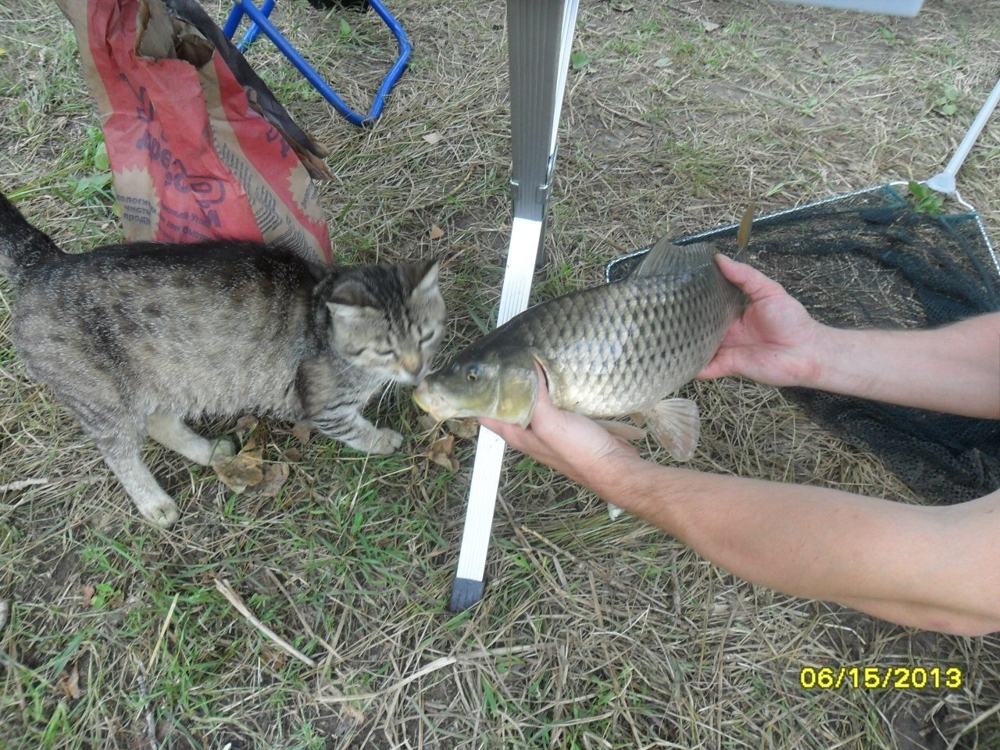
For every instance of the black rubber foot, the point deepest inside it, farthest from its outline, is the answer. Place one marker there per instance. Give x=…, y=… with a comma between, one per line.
x=464, y=594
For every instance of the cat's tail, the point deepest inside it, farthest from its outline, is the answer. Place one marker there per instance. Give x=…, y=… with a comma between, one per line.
x=21, y=245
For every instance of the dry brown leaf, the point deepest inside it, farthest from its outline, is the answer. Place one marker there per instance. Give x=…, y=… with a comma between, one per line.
x=292, y=455
x=69, y=684
x=245, y=423
x=88, y=595
x=464, y=428
x=273, y=658
x=442, y=452
x=426, y=422
x=240, y=471
x=301, y=432
x=436, y=232
x=275, y=476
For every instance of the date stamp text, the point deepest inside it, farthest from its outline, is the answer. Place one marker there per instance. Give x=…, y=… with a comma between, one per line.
x=881, y=678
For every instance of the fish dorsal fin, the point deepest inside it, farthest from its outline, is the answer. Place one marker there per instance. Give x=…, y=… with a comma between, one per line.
x=667, y=259
x=674, y=423
x=743, y=233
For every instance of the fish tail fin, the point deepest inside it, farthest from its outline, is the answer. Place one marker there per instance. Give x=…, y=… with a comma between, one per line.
x=675, y=425
x=21, y=245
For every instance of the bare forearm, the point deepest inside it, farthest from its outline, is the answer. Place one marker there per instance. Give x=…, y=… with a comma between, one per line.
x=901, y=562
x=955, y=369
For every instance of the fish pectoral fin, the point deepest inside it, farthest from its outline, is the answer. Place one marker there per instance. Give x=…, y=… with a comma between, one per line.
x=675, y=425
x=622, y=430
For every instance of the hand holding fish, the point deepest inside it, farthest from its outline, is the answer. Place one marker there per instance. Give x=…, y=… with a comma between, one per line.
x=808, y=541
x=569, y=443
x=774, y=341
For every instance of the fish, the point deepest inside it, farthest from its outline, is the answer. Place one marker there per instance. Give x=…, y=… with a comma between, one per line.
x=613, y=350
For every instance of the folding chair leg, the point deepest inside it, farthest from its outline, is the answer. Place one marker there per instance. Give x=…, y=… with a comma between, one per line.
x=260, y=23
x=540, y=35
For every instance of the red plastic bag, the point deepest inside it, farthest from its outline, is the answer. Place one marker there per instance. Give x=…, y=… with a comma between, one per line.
x=191, y=159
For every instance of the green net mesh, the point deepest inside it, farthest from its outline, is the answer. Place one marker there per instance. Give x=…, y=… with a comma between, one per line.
x=870, y=260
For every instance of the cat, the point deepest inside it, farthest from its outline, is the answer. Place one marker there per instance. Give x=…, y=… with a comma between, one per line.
x=135, y=338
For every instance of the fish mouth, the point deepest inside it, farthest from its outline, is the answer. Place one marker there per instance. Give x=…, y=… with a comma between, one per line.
x=433, y=402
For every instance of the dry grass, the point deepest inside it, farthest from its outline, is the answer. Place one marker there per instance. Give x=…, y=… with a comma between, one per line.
x=591, y=634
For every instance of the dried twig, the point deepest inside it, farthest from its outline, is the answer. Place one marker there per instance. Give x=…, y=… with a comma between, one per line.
x=20, y=484
x=150, y=719
x=163, y=631
x=227, y=591
x=309, y=631
x=974, y=723
x=434, y=666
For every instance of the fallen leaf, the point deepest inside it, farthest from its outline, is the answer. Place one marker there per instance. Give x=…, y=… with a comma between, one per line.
x=69, y=684
x=710, y=26
x=426, y=422
x=663, y=62
x=301, y=432
x=433, y=138
x=241, y=471
x=579, y=60
x=442, y=452
x=245, y=424
x=436, y=232
x=88, y=595
x=464, y=428
x=274, y=479
x=273, y=658
x=292, y=455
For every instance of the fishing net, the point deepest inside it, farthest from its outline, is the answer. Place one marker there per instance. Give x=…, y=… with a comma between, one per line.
x=871, y=260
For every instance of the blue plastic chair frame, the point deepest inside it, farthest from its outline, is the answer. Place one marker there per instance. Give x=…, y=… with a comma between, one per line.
x=260, y=22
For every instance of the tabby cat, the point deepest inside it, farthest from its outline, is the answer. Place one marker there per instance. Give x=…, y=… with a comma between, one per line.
x=135, y=338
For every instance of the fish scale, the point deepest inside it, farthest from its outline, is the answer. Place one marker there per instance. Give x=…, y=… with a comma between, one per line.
x=619, y=348
x=607, y=351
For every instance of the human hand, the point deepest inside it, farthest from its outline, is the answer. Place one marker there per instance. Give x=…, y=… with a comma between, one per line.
x=775, y=341
x=569, y=443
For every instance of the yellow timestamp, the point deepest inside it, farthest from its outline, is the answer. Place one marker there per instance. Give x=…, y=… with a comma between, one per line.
x=881, y=678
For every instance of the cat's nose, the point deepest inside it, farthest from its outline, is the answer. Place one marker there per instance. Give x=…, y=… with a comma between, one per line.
x=413, y=364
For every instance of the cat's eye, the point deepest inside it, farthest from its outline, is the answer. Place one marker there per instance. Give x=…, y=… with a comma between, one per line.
x=472, y=374
x=425, y=338
x=384, y=352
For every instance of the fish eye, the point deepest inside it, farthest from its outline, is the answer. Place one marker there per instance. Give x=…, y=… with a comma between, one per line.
x=472, y=373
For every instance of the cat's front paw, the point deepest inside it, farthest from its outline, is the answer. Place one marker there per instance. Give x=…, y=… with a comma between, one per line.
x=162, y=512
x=222, y=449
x=385, y=441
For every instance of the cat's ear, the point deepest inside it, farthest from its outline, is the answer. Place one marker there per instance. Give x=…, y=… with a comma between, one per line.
x=347, y=313
x=350, y=302
x=424, y=277
x=349, y=293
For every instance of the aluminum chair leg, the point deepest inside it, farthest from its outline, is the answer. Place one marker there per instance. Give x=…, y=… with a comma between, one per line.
x=540, y=35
